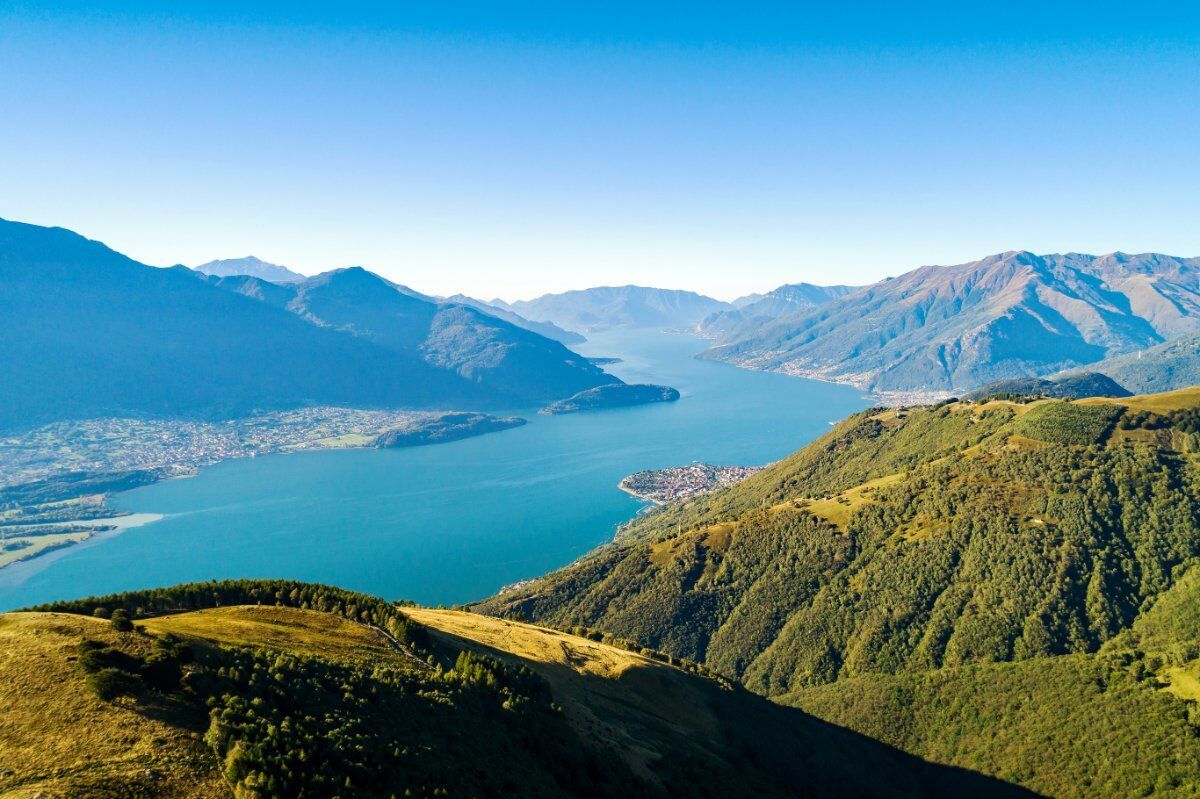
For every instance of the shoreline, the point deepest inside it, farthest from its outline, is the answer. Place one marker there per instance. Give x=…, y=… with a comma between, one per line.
x=20, y=570
x=109, y=521
x=639, y=497
x=890, y=399
x=667, y=349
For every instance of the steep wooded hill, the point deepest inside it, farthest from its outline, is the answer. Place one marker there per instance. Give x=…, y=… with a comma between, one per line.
x=943, y=560
x=1164, y=367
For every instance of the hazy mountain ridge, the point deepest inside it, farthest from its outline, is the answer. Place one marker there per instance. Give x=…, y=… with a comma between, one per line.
x=952, y=328
x=513, y=363
x=87, y=332
x=251, y=266
x=1163, y=367
x=547, y=329
x=757, y=309
x=606, y=307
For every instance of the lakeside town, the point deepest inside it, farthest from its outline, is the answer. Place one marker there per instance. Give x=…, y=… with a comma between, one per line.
x=661, y=486
x=180, y=447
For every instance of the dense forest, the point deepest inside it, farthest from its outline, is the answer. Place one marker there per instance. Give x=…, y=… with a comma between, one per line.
x=965, y=555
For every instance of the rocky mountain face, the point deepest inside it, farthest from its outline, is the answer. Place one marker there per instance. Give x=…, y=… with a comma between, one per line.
x=954, y=328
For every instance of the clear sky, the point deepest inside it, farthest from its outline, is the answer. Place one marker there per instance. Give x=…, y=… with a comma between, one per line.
x=509, y=149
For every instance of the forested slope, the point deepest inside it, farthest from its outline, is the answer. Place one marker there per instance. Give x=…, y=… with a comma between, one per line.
x=958, y=555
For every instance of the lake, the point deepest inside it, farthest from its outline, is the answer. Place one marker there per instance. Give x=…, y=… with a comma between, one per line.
x=451, y=522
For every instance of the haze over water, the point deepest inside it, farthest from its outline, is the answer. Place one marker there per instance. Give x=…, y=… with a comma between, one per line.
x=452, y=522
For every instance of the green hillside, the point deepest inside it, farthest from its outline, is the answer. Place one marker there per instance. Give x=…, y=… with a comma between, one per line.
x=916, y=574
x=282, y=689
x=1023, y=721
x=1164, y=367
x=1071, y=386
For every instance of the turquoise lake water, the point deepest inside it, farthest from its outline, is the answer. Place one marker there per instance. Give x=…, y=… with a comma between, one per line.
x=451, y=522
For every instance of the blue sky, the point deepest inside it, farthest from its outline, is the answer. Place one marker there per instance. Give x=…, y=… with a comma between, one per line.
x=512, y=149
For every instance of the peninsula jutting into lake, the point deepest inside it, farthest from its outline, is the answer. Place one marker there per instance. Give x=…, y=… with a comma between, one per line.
x=617, y=395
x=660, y=486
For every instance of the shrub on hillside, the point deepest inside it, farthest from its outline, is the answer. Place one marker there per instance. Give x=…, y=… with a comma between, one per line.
x=121, y=621
x=109, y=683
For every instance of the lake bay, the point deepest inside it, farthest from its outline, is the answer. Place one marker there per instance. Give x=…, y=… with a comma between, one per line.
x=451, y=522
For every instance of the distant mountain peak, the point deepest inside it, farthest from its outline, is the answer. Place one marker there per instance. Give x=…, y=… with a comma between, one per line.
x=251, y=266
x=348, y=275
x=756, y=309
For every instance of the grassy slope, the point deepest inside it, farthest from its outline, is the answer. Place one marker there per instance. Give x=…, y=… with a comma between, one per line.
x=58, y=739
x=652, y=713
x=664, y=722
x=883, y=577
x=300, y=632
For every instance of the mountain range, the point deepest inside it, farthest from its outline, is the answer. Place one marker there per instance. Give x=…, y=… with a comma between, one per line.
x=547, y=329
x=953, y=328
x=607, y=307
x=86, y=331
x=274, y=273
x=513, y=364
